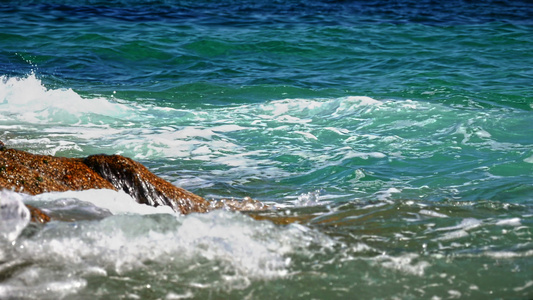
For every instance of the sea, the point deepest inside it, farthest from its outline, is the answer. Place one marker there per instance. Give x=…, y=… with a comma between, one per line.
x=392, y=141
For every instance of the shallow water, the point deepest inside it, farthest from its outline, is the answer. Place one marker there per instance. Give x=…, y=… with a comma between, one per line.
x=397, y=136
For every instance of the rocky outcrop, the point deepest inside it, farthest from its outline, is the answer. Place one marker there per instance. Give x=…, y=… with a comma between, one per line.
x=145, y=187
x=34, y=174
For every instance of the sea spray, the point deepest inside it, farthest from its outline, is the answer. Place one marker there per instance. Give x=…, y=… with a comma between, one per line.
x=14, y=216
x=221, y=249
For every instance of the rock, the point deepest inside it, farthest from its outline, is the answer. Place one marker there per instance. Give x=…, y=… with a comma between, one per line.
x=145, y=187
x=34, y=174
x=37, y=215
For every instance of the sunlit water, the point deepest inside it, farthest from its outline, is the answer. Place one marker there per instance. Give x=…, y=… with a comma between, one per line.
x=397, y=136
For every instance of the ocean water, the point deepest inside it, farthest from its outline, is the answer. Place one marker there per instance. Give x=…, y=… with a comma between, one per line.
x=397, y=135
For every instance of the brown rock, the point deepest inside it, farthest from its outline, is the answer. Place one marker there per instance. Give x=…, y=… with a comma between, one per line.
x=37, y=215
x=35, y=174
x=145, y=187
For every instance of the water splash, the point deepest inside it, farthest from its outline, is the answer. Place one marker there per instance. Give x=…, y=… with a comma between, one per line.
x=309, y=199
x=14, y=216
x=218, y=250
x=27, y=100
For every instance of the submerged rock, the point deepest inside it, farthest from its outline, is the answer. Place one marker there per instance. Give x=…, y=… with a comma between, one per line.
x=37, y=215
x=24, y=172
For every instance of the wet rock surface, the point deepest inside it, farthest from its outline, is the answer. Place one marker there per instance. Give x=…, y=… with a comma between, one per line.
x=33, y=174
x=37, y=215
x=145, y=187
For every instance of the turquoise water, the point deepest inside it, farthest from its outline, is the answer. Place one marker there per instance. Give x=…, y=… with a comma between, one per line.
x=398, y=134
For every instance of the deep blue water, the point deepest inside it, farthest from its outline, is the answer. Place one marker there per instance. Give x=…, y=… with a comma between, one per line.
x=399, y=135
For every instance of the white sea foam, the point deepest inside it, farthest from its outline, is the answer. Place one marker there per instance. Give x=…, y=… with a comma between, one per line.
x=307, y=135
x=116, y=202
x=364, y=155
x=508, y=254
x=46, y=290
x=452, y=235
x=387, y=194
x=509, y=222
x=309, y=199
x=300, y=110
x=460, y=230
x=215, y=250
x=527, y=285
x=227, y=128
x=286, y=106
x=407, y=263
x=27, y=100
x=432, y=213
x=466, y=224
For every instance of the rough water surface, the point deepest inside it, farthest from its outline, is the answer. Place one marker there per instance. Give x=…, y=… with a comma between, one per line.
x=393, y=140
